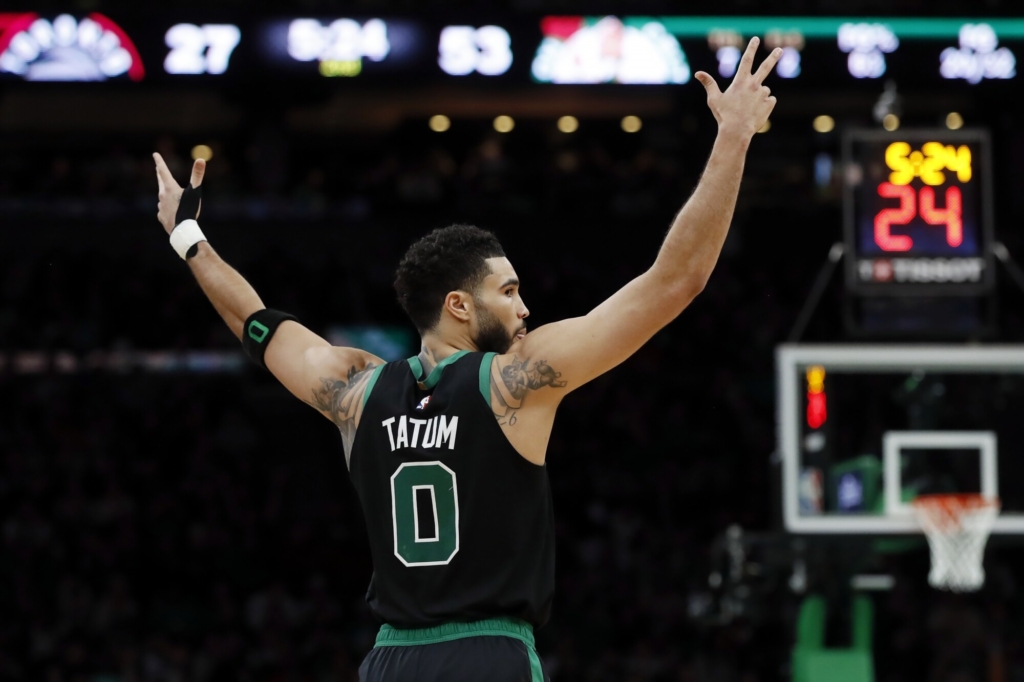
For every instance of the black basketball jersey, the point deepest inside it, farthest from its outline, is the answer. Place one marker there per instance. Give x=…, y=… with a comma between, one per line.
x=461, y=526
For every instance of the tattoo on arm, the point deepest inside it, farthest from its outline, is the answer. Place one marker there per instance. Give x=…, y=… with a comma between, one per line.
x=341, y=399
x=510, y=385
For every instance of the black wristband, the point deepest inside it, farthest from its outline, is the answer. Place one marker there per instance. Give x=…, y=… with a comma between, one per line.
x=192, y=250
x=257, y=331
x=188, y=207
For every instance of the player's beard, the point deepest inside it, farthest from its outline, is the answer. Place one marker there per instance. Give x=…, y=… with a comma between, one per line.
x=491, y=335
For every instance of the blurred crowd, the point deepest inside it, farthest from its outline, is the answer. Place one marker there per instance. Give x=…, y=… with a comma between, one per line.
x=185, y=527
x=264, y=174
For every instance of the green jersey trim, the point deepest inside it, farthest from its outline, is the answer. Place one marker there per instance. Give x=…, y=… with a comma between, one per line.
x=485, y=376
x=370, y=383
x=446, y=632
x=416, y=366
x=435, y=375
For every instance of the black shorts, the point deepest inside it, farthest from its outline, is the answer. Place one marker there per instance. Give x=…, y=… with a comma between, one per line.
x=493, y=650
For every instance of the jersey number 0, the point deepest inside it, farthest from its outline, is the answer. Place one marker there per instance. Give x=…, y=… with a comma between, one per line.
x=417, y=487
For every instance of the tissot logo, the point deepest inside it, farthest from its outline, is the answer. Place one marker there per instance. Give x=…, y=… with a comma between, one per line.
x=93, y=48
x=921, y=270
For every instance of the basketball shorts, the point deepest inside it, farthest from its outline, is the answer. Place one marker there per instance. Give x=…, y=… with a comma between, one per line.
x=492, y=650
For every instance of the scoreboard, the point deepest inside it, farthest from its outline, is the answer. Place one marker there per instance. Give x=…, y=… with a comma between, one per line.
x=918, y=212
x=558, y=50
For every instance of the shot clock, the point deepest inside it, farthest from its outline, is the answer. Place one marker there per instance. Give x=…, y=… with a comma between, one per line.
x=918, y=212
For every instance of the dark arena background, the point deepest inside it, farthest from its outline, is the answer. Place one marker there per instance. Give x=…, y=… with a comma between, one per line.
x=168, y=512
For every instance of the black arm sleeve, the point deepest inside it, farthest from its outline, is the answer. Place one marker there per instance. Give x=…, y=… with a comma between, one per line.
x=257, y=331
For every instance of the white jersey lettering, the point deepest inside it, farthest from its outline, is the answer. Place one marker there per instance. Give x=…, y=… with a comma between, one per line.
x=437, y=432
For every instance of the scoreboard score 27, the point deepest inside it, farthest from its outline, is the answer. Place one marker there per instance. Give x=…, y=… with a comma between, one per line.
x=918, y=212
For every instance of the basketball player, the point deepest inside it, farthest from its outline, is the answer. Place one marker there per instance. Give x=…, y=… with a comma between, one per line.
x=446, y=449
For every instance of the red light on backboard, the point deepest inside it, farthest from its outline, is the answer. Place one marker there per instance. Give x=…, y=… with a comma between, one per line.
x=816, y=410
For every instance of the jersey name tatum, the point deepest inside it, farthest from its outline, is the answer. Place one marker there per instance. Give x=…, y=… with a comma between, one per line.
x=423, y=433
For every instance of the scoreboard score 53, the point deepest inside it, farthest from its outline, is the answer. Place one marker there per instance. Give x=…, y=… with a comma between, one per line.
x=918, y=212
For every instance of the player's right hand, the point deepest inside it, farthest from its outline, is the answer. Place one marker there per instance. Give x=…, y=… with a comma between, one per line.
x=170, y=192
x=746, y=104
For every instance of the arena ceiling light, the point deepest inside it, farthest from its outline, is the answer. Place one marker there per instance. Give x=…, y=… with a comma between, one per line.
x=439, y=123
x=766, y=127
x=568, y=124
x=632, y=124
x=891, y=122
x=202, y=151
x=824, y=123
x=504, y=124
x=954, y=121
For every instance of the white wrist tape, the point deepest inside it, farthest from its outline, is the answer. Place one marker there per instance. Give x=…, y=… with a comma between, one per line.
x=184, y=235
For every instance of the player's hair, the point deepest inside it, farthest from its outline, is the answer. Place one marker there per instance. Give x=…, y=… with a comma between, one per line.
x=448, y=259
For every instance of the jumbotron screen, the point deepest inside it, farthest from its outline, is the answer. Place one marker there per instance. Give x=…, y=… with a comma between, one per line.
x=559, y=50
x=918, y=214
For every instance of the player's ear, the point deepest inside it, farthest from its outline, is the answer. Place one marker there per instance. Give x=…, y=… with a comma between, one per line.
x=459, y=304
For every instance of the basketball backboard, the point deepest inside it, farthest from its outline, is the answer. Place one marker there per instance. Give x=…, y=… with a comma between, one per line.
x=863, y=429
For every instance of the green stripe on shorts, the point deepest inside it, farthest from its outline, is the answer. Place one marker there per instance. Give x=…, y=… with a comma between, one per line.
x=446, y=632
x=536, y=671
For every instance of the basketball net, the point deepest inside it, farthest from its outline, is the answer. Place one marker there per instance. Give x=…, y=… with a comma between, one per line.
x=957, y=527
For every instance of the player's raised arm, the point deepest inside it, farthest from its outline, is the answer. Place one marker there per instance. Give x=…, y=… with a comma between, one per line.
x=328, y=378
x=577, y=350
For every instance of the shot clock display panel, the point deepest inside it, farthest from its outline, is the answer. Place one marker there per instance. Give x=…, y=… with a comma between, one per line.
x=918, y=212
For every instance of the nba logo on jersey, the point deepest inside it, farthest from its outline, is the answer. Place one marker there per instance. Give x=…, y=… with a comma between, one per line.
x=423, y=403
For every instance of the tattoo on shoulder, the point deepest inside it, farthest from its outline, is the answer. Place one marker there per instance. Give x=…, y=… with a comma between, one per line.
x=341, y=398
x=511, y=384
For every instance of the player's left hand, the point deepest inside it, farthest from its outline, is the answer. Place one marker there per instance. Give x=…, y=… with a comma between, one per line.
x=746, y=104
x=170, y=192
